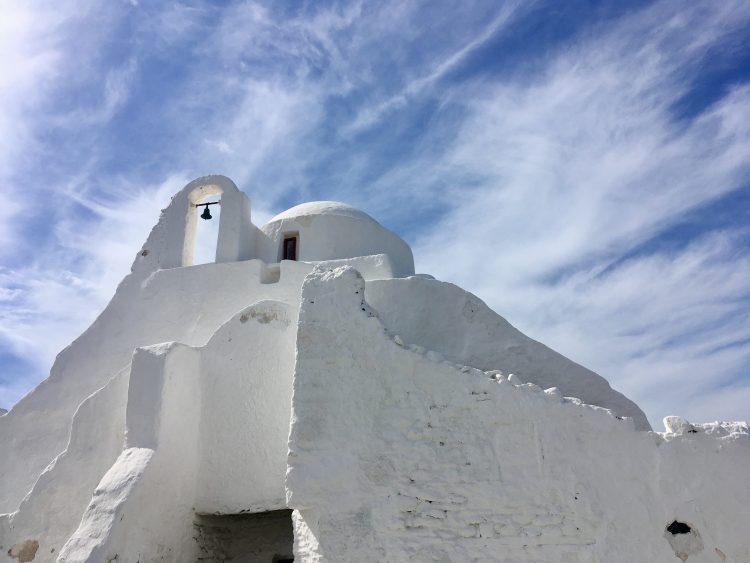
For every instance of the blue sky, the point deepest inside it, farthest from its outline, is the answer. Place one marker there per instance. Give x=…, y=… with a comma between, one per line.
x=583, y=167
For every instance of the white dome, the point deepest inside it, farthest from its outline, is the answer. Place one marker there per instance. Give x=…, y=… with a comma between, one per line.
x=321, y=208
x=330, y=230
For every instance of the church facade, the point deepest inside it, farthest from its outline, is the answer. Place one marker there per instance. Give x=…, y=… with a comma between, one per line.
x=308, y=397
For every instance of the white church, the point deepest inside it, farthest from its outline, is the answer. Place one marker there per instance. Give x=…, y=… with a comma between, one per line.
x=308, y=398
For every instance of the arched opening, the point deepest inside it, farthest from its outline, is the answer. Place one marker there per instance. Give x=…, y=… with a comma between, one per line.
x=206, y=230
x=201, y=235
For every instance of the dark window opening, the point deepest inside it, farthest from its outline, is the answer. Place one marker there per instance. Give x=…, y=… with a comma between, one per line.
x=289, y=248
x=678, y=528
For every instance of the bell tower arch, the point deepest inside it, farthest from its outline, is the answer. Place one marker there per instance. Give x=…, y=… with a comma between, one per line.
x=171, y=243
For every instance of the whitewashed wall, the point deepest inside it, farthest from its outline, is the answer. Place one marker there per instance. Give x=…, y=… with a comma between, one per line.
x=51, y=511
x=142, y=508
x=183, y=304
x=246, y=382
x=206, y=433
x=396, y=453
x=443, y=317
x=163, y=301
x=397, y=456
x=152, y=304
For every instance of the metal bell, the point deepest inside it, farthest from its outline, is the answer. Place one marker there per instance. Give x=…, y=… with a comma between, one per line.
x=206, y=213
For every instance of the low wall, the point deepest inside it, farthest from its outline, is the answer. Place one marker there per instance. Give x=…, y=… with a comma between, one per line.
x=442, y=316
x=142, y=509
x=51, y=511
x=181, y=304
x=206, y=434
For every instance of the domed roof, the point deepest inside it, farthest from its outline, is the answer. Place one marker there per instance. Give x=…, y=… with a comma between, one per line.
x=322, y=208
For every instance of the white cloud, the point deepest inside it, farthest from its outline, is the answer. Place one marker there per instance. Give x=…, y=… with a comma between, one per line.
x=98, y=221
x=555, y=179
x=418, y=86
x=29, y=59
x=546, y=181
x=55, y=296
x=44, y=47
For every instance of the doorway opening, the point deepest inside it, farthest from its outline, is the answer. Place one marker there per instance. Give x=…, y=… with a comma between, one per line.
x=245, y=538
x=289, y=246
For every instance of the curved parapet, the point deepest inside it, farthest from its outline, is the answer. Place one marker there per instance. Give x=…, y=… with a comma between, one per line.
x=50, y=512
x=443, y=317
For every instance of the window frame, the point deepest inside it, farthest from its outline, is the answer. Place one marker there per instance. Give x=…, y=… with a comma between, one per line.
x=289, y=237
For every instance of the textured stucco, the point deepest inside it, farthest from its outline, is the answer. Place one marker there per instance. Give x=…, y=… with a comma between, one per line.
x=163, y=299
x=442, y=316
x=206, y=433
x=398, y=456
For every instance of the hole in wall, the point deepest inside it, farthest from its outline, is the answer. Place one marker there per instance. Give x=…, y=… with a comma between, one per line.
x=678, y=528
x=206, y=232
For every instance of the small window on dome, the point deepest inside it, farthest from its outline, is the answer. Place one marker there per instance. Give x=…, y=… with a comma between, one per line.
x=289, y=247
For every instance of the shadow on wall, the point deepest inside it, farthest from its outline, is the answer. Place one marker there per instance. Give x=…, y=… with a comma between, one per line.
x=245, y=538
x=685, y=540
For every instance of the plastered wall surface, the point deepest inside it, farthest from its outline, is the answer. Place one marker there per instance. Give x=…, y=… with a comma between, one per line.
x=163, y=299
x=141, y=509
x=206, y=433
x=246, y=383
x=133, y=318
x=174, y=304
x=398, y=456
x=51, y=511
x=443, y=317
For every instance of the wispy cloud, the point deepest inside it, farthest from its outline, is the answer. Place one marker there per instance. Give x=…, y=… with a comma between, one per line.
x=557, y=181
x=418, y=86
x=49, y=300
x=113, y=93
x=548, y=171
x=29, y=66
